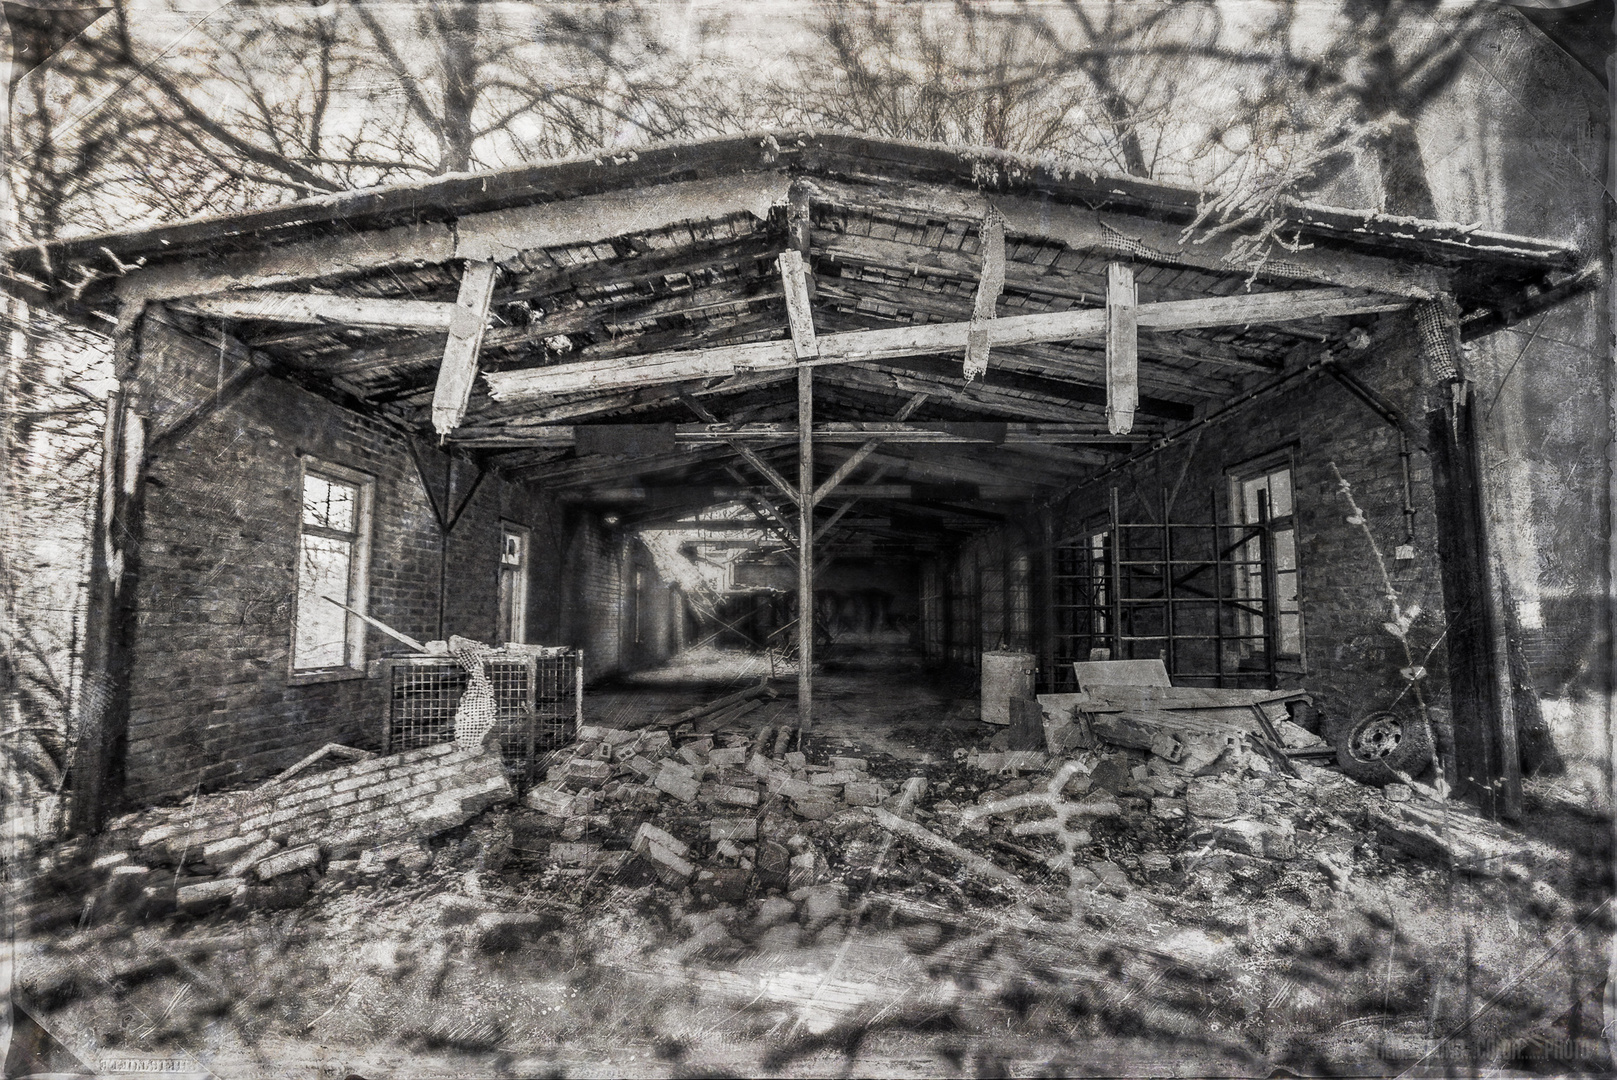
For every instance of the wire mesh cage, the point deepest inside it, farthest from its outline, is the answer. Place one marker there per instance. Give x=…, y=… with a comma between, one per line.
x=537, y=696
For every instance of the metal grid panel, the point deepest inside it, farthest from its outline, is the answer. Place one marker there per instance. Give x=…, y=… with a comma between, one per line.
x=536, y=698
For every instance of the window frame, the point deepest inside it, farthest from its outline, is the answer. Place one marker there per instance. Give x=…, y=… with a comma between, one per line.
x=354, y=637
x=523, y=584
x=1239, y=475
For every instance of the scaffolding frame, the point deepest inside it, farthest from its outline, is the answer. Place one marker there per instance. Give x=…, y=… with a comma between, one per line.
x=1141, y=598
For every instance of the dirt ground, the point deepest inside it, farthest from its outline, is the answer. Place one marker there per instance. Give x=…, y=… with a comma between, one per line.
x=1179, y=958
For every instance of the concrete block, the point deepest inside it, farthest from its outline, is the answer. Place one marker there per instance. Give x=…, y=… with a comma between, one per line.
x=549, y=800
x=669, y=864
x=834, y=778
x=789, y=788
x=759, y=766
x=641, y=765
x=856, y=764
x=692, y=755
x=677, y=782
x=733, y=829
x=287, y=861
x=796, y=760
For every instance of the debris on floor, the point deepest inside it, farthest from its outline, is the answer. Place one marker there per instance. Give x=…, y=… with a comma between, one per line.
x=266, y=846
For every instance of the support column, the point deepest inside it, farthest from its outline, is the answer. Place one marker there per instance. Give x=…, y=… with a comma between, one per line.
x=102, y=718
x=805, y=550
x=1487, y=761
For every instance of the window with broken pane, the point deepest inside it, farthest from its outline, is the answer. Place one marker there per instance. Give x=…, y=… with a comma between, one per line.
x=325, y=637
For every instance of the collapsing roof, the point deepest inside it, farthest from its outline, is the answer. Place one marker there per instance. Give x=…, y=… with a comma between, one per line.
x=617, y=328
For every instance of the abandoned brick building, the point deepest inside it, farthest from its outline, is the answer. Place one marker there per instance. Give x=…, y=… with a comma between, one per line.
x=1043, y=411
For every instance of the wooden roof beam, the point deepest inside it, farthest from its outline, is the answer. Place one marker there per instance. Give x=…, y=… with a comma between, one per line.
x=925, y=339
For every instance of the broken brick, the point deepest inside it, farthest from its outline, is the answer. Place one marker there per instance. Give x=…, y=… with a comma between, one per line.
x=736, y=796
x=588, y=770
x=677, y=782
x=252, y=857
x=505, y=931
x=649, y=834
x=299, y=858
x=730, y=757
x=815, y=806
x=864, y=793
x=1208, y=799
x=206, y=894
x=733, y=829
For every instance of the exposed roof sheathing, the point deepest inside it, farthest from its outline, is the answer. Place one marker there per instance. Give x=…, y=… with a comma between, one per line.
x=675, y=247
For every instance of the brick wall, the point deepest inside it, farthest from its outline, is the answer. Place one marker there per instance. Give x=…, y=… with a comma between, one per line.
x=620, y=627
x=1348, y=657
x=344, y=810
x=211, y=703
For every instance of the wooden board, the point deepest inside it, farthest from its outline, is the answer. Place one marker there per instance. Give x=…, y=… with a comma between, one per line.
x=1093, y=673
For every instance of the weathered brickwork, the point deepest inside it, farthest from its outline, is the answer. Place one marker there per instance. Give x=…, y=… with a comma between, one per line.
x=342, y=810
x=211, y=701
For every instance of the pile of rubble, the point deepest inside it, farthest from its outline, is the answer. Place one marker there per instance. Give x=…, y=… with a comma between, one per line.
x=266, y=847
x=712, y=812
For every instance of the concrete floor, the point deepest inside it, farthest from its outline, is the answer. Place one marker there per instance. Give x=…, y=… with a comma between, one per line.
x=872, y=697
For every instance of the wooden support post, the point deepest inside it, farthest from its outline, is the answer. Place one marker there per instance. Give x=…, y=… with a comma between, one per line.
x=1486, y=758
x=103, y=710
x=466, y=325
x=805, y=551
x=990, y=283
x=1122, y=349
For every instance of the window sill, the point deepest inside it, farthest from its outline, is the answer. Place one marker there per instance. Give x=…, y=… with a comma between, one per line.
x=308, y=678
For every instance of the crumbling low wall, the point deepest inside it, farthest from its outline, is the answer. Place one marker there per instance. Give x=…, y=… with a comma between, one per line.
x=342, y=810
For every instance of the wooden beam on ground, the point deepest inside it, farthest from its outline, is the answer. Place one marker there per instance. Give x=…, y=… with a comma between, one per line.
x=856, y=346
x=1122, y=349
x=320, y=309
x=990, y=283
x=459, y=368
